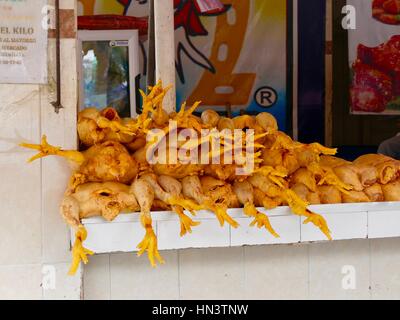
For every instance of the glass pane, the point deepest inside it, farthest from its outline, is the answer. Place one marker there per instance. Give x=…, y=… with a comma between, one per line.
x=106, y=76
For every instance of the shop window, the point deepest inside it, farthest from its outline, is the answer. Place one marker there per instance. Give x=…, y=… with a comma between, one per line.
x=108, y=69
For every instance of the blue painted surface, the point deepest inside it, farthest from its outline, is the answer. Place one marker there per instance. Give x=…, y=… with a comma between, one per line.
x=311, y=79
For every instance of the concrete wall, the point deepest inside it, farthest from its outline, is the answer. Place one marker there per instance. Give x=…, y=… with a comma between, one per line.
x=310, y=271
x=34, y=247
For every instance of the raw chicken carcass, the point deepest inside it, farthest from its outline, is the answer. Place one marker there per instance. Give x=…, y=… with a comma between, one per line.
x=386, y=167
x=391, y=191
x=93, y=199
x=192, y=189
x=304, y=193
x=304, y=177
x=329, y=195
x=348, y=175
x=262, y=200
x=107, y=199
x=169, y=191
x=374, y=193
x=332, y=162
x=210, y=118
x=96, y=126
x=219, y=191
x=355, y=197
x=106, y=162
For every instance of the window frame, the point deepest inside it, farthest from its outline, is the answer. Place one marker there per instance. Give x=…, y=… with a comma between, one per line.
x=132, y=36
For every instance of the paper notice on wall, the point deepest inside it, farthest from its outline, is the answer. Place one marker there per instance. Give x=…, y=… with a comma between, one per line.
x=374, y=54
x=23, y=41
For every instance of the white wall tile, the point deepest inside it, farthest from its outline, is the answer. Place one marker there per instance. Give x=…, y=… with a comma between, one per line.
x=19, y=115
x=343, y=226
x=114, y=237
x=276, y=272
x=385, y=266
x=21, y=282
x=56, y=237
x=20, y=226
x=66, y=287
x=383, y=224
x=32, y=230
x=96, y=278
x=133, y=277
x=327, y=262
x=208, y=234
x=61, y=131
x=214, y=273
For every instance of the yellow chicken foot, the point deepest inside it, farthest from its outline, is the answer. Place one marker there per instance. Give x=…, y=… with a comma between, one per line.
x=186, y=222
x=115, y=126
x=329, y=178
x=299, y=207
x=333, y=180
x=45, y=149
x=147, y=106
x=79, y=253
x=283, y=142
x=149, y=243
x=319, y=222
x=274, y=175
x=184, y=117
x=222, y=215
x=157, y=100
x=187, y=204
x=260, y=219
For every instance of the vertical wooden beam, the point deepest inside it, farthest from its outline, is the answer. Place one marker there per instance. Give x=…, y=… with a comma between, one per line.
x=165, y=49
x=328, y=73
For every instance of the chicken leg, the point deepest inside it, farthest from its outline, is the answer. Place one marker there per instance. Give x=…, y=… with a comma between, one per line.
x=145, y=197
x=299, y=207
x=70, y=212
x=168, y=190
x=45, y=149
x=245, y=194
x=192, y=189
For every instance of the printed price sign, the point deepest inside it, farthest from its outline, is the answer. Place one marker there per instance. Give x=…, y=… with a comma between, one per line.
x=23, y=42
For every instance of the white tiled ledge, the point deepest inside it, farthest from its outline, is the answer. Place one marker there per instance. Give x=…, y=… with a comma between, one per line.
x=346, y=221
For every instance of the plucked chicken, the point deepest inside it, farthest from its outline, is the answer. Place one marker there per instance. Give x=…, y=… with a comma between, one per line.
x=120, y=171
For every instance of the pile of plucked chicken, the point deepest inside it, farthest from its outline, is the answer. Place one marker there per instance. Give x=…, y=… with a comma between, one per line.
x=113, y=176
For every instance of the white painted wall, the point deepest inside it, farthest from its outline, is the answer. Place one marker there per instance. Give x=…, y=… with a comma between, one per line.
x=307, y=271
x=34, y=238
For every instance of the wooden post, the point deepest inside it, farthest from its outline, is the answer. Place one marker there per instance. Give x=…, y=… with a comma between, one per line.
x=165, y=49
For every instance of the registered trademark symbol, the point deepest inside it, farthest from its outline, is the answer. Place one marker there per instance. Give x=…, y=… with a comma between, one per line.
x=266, y=97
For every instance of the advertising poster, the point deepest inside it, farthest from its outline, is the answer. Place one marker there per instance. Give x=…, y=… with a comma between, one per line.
x=23, y=42
x=215, y=52
x=374, y=53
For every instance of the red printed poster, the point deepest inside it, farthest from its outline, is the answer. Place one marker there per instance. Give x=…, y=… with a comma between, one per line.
x=374, y=53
